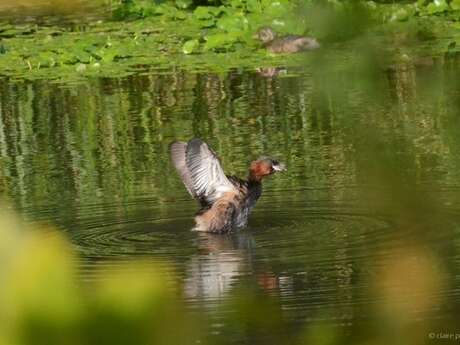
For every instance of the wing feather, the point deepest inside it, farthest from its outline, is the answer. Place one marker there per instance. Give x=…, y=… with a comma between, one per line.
x=206, y=173
x=200, y=170
x=177, y=150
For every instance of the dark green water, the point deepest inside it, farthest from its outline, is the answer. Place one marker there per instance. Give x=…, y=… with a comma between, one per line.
x=367, y=214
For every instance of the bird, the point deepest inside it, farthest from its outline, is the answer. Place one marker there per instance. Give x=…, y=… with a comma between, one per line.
x=226, y=201
x=285, y=44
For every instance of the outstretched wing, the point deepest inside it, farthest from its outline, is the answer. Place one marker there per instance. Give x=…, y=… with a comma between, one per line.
x=200, y=170
x=177, y=150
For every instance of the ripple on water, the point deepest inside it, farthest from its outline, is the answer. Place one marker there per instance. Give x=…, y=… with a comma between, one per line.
x=312, y=254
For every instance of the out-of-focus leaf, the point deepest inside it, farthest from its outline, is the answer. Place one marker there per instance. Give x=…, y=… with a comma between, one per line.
x=190, y=46
x=202, y=12
x=183, y=3
x=437, y=6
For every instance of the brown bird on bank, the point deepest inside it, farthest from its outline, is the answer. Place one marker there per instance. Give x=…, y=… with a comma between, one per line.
x=226, y=201
x=285, y=44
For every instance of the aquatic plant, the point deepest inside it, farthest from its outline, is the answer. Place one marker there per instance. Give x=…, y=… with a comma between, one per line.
x=145, y=35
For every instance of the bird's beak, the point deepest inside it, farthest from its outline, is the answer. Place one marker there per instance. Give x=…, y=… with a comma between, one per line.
x=279, y=167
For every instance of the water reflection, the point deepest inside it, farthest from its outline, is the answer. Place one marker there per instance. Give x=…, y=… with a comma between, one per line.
x=270, y=71
x=220, y=260
x=225, y=261
x=373, y=170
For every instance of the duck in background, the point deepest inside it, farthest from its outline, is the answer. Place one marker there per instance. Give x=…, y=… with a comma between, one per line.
x=285, y=44
x=226, y=201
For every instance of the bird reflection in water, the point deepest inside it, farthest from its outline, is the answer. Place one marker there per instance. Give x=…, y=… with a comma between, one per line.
x=222, y=261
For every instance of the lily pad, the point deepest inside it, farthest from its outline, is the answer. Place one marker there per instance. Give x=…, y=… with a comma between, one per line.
x=190, y=46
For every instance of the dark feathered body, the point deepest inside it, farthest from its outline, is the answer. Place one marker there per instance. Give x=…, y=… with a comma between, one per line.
x=226, y=201
x=286, y=44
x=231, y=211
x=291, y=44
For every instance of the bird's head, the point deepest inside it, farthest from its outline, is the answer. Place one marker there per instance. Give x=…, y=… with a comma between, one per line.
x=265, y=166
x=265, y=34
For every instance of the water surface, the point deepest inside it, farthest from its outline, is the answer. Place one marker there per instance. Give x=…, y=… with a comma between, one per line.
x=368, y=211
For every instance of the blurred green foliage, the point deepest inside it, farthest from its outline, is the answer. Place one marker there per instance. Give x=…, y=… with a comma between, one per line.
x=42, y=298
x=362, y=116
x=43, y=301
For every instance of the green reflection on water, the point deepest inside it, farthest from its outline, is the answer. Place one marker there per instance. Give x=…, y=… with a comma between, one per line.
x=367, y=214
x=334, y=127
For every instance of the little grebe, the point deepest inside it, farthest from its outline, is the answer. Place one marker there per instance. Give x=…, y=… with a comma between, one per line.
x=286, y=44
x=226, y=201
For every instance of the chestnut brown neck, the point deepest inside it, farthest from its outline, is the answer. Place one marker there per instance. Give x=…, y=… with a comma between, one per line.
x=254, y=177
x=257, y=171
